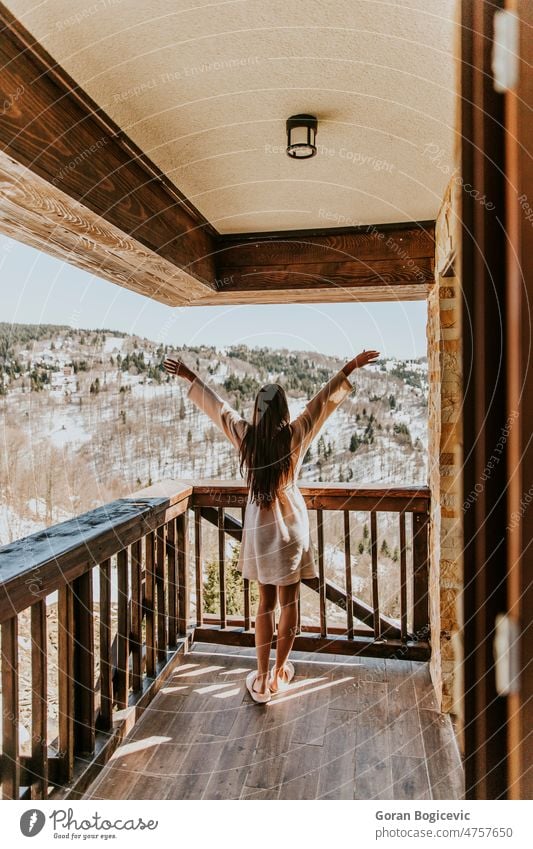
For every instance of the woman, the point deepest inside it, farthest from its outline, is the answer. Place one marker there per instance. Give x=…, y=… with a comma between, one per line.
x=276, y=546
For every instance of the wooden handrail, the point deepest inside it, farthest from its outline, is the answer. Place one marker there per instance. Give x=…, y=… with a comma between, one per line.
x=39, y=564
x=323, y=496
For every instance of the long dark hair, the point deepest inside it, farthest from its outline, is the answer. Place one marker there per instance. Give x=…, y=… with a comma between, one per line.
x=265, y=450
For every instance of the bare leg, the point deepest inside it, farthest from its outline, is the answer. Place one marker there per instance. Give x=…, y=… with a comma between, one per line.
x=264, y=631
x=288, y=599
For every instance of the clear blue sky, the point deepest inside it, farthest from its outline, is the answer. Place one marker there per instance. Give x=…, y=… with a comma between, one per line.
x=36, y=288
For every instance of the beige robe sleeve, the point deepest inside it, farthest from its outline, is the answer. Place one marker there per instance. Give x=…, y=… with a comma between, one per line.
x=219, y=411
x=310, y=421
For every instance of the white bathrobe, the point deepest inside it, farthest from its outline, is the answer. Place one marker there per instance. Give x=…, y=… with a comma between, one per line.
x=276, y=546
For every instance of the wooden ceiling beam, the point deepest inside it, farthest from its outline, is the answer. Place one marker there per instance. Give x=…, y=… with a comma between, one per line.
x=52, y=128
x=378, y=262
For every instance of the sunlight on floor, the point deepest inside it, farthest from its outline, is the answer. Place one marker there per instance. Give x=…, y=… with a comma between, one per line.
x=211, y=688
x=299, y=685
x=204, y=670
x=138, y=746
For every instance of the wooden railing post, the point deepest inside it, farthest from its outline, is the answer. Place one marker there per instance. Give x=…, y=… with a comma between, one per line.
x=105, y=719
x=348, y=575
x=375, y=583
x=321, y=573
x=403, y=580
x=123, y=630
x=222, y=567
x=65, y=674
x=420, y=576
x=39, y=702
x=10, y=710
x=198, y=566
x=84, y=731
x=183, y=574
x=136, y=614
x=162, y=633
x=172, y=582
x=149, y=603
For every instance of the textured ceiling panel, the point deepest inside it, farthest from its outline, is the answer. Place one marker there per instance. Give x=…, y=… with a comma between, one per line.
x=205, y=88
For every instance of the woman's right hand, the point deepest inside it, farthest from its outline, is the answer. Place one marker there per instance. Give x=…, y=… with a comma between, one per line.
x=364, y=358
x=178, y=368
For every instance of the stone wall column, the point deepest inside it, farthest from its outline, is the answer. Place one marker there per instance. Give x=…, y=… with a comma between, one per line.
x=445, y=463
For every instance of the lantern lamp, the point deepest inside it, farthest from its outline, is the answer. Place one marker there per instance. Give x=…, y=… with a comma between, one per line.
x=301, y=136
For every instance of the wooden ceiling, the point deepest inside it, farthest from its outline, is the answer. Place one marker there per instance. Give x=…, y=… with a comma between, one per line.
x=74, y=185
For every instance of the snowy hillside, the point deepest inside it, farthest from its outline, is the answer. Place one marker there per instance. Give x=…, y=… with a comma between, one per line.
x=89, y=416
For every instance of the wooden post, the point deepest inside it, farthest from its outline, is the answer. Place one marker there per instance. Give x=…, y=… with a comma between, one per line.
x=403, y=579
x=84, y=733
x=162, y=636
x=106, y=661
x=149, y=604
x=348, y=572
x=172, y=583
x=39, y=701
x=123, y=631
x=198, y=566
x=65, y=672
x=375, y=584
x=136, y=616
x=420, y=576
x=321, y=573
x=183, y=574
x=10, y=710
x=222, y=567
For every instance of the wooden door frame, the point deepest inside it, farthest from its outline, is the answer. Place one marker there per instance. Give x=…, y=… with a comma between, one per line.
x=497, y=399
x=519, y=170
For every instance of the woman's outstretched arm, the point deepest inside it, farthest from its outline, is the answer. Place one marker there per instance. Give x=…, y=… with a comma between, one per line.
x=325, y=402
x=232, y=425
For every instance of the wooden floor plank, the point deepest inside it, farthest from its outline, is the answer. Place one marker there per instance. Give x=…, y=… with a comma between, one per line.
x=301, y=771
x=337, y=768
x=409, y=778
x=274, y=745
x=195, y=771
x=424, y=689
x=310, y=727
x=444, y=765
x=373, y=775
x=237, y=756
x=260, y=793
x=405, y=732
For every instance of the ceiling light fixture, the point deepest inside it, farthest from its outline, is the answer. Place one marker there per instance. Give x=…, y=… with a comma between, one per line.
x=301, y=136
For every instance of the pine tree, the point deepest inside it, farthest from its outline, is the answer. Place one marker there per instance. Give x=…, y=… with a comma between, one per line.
x=234, y=587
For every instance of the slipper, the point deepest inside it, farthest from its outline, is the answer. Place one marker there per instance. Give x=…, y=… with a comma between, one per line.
x=283, y=684
x=260, y=698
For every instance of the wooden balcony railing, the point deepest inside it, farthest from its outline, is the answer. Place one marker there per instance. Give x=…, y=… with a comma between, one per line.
x=379, y=634
x=115, y=588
